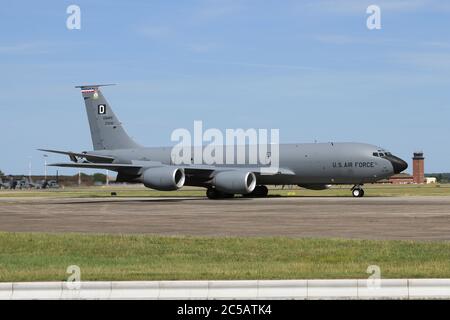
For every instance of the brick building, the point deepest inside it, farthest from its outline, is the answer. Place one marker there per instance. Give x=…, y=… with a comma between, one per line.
x=401, y=178
x=418, y=167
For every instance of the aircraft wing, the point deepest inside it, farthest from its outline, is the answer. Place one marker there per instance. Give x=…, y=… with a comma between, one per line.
x=189, y=169
x=89, y=157
x=106, y=166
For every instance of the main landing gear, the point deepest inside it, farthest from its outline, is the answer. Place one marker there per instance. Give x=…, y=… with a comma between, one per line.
x=214, y=194
x=258, y=192
x=358, y=191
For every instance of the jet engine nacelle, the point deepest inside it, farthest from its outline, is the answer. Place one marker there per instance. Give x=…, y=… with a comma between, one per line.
x=240, y=182
x=315, y=186
x=163, y=178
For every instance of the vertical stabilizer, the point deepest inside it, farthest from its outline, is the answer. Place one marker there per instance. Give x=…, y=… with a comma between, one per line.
x=106, y=130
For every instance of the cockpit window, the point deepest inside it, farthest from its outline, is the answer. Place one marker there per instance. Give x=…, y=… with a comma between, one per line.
x=381, y=154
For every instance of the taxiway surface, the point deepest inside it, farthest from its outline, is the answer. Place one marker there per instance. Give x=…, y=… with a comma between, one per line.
x=411, y=218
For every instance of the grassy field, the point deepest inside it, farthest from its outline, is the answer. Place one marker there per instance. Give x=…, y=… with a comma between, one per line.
x=136, y=191
x=39, y=257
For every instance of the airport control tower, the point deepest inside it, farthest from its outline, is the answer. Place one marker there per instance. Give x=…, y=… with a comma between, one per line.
x=418, y=167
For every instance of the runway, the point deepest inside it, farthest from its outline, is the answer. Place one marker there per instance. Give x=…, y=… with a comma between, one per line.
x=407, y=218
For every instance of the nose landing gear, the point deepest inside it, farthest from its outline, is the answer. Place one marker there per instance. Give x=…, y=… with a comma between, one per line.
x=357, y=191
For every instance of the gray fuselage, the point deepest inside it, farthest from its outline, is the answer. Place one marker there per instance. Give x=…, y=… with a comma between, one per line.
x=308, y=163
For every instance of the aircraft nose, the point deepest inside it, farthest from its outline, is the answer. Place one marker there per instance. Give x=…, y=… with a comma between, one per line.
x=398, y=164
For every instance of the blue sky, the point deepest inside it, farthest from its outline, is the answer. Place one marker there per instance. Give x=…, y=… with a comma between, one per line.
x=310, y=68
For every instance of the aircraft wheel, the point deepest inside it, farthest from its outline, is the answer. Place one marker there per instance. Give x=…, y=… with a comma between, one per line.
x=227, y=195
x=258, y=192
x=215, y=194
x=358, y=193
x=212, y=193
x=263, y=191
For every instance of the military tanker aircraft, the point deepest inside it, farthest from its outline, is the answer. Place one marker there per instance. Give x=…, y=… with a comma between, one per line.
x=313, y=166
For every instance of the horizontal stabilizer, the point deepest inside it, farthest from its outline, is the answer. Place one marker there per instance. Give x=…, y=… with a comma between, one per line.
x=87, y=156
x=95, y=85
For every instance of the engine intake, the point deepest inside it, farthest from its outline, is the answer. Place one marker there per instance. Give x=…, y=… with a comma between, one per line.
x=163, y=178
x=235, y=182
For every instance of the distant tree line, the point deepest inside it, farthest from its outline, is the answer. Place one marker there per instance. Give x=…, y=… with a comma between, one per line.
x=440, y=177
x=96, y=177
x=99, y=177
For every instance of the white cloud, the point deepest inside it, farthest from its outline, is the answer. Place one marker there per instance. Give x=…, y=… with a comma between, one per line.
x=203, y=47
x=38, y=47
x=436, y=44
x=359, y=6
x=425, y=60
x=256, y=65
x=213, y=9
x=23, y=48
x=338, y=39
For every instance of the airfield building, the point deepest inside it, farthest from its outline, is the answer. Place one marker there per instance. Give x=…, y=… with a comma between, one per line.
x=418, y=167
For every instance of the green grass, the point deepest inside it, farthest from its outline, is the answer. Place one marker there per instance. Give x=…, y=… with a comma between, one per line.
x=45, y=257
x=372, y=190
x=336, y=191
